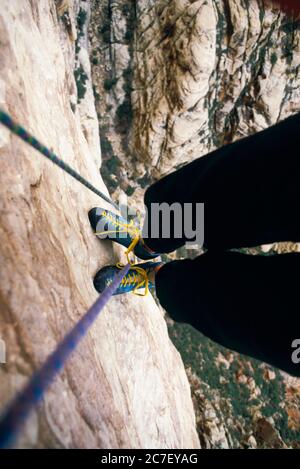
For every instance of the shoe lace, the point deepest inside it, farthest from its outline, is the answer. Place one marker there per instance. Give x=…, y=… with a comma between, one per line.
x=121, y=227
x=136, y=275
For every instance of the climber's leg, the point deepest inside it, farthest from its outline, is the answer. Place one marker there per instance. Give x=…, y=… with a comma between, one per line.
x=249, y=304
x=250, y=189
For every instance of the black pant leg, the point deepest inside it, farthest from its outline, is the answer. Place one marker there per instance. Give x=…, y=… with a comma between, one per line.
x=249, y=304
x=250, y=188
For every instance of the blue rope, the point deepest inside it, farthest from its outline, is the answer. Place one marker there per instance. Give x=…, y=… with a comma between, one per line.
x=18, y=130
x=16, y=413
x=13, y=418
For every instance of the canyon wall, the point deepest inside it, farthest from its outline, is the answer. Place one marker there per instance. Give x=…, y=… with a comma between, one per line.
x=179, y=79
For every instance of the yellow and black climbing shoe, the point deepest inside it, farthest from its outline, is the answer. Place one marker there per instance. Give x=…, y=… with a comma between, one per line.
x=108, y=225
x=135, y=279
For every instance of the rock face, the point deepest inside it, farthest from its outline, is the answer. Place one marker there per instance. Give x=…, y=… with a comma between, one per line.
x=125, y=387
x=184, y=77
x=209, y=72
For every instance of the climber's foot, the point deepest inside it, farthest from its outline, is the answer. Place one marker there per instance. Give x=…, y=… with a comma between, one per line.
x=108, y=225
x=139, y=276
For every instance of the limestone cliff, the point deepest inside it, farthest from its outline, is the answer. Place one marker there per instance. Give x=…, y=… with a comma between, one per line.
x=126, y=385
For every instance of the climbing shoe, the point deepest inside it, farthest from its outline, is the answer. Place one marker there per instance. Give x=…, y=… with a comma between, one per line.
x=108, y=225
x=135, y=279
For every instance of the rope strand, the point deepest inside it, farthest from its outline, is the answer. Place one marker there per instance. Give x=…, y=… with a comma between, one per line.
x=22, y=133
x=15, y=415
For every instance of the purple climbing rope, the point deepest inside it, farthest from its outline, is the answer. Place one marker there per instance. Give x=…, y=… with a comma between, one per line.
x=18, y=410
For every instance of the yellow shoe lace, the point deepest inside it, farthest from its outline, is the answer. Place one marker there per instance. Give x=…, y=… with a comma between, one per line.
x=139, y=277
x=130, y=228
